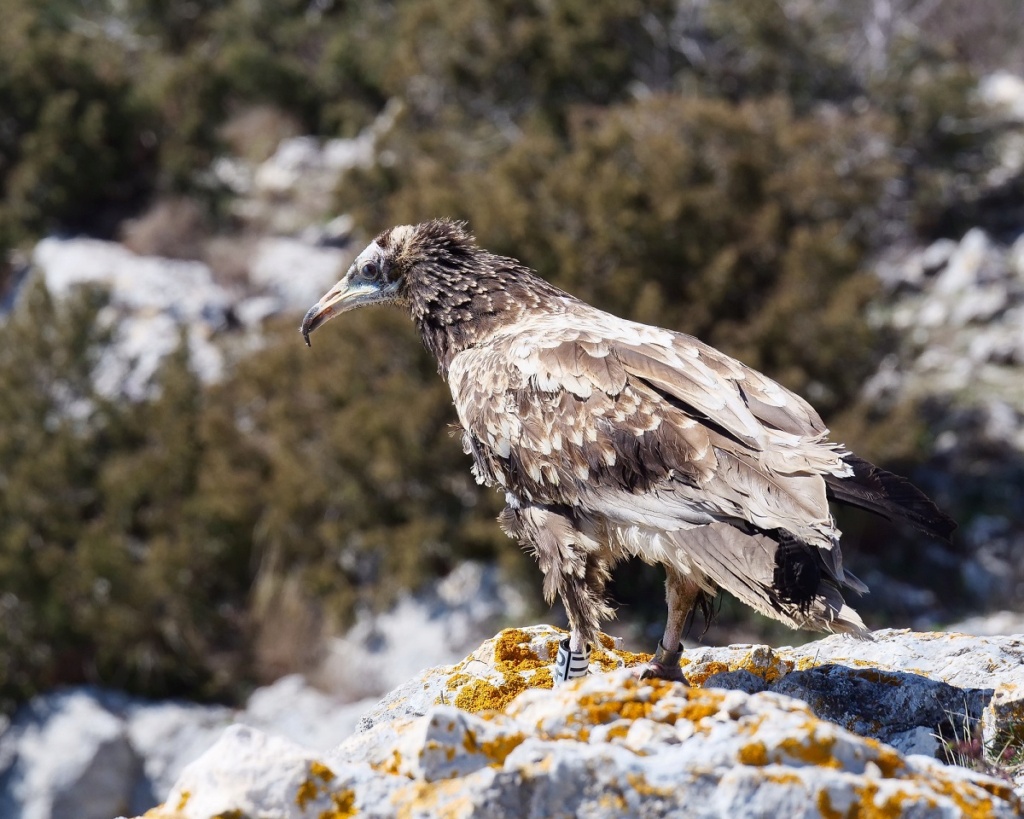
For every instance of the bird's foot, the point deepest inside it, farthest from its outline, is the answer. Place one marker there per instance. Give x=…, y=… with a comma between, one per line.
x=664, y=665
x=569, y=664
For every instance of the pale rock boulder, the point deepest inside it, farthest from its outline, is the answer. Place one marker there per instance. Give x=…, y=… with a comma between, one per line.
x=67, y=757
x=489, y=737
x=151, y=300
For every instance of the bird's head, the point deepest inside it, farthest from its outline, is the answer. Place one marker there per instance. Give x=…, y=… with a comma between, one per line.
x=380, y=273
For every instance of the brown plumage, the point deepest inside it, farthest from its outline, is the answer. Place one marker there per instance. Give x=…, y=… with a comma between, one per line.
x=613, y=439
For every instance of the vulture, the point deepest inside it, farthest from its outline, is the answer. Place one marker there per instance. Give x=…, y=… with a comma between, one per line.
x=612, y=439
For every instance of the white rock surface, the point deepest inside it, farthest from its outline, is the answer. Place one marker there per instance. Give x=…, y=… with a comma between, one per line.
x=608, y=745
x=151, y=300
x=69, y=758
x=1004, y=91
x=166, y=736
x=86, y=753
x=994, y=624
x=488, y=737
x=437, y=625
x=297, y=274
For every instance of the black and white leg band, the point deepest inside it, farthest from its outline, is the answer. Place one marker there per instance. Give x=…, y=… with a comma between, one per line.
x=569, y=665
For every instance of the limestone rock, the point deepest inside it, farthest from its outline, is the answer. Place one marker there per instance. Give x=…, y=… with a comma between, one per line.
x=490, y=737
x=67, y=757
x=151, y=299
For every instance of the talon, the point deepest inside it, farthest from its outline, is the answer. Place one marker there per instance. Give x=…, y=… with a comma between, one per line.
x=664, y=665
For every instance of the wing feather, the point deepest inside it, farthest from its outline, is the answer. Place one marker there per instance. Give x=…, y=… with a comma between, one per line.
x=595, y=409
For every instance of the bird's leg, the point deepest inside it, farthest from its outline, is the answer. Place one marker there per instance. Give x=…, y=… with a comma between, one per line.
x=681, y=594
x=583, y=596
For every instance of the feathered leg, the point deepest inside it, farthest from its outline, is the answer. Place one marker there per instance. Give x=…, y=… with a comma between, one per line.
x=681, y=594
x=582, y=593
x=575, y=568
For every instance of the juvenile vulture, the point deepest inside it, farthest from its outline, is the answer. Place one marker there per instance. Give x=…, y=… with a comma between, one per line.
x=613, y=439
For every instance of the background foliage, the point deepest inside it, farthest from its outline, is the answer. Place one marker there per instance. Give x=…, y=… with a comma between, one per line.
x=725, y=169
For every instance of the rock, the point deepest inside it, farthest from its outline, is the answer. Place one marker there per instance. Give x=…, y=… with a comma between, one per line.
x=151, y=299
x=297, y=274
x=67, y=757
x=1004, y=92
x=958, y=310
x=250, y=773
x=436, y=625
x=296, y=186
x=92, y=753
x=489, y=736
x=996, y=623
x=293, y=709
x=167, y=736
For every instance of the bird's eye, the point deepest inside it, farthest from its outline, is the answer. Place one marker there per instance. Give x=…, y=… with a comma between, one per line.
x=370, y=271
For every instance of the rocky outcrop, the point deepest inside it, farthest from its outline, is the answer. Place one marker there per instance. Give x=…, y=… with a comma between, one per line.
x=85, y=753
x=153, y=300
x=104, y=752
x=957, y=308
x=760, y=732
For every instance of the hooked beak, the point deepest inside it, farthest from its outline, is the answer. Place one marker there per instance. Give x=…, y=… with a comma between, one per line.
x=344, y=296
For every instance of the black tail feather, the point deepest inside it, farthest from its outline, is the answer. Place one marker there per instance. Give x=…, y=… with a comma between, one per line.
x=890, y=496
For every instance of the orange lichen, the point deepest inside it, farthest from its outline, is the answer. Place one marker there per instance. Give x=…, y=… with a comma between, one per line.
x=310, y=789
x=344, y=806
x=542, y=679
x=613, y=802
x=753, y=753
x=643, y=788
x=306, y=793
x=183, y=800
x=512, y=652
x=497, y=749
x=825, y=806
x=872, y=805
x=481, y=694
x=814, y=751
x=391, y=765
x=618, y=731
x=455, y=680
x=889, y=762
x=699, y=675
x=766, y=664
x=321, y=771
x=972, y=798
x=634, y=702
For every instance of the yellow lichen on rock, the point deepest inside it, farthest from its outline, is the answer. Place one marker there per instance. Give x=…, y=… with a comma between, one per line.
x=765, y=663
x=455, y=680
x=644, y=788
x=698, y=675
x=514, y=659
x=480, y=695
x=343, y=806
x=812, y=749
x=310, y=789
x=754, y=754
x=512, y=652
x=443, y=799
